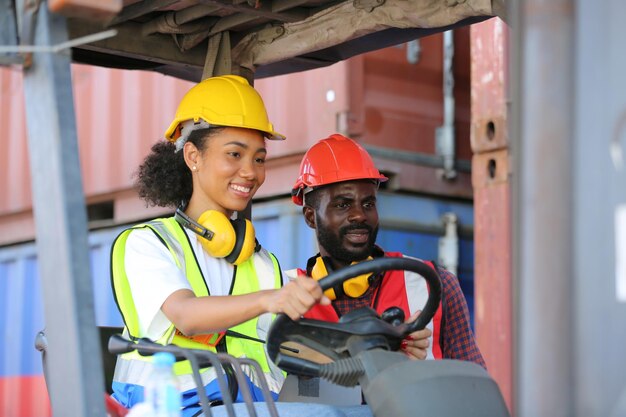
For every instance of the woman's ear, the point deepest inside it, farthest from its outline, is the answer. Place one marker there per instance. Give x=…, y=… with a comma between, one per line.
x=309, y=216
x=191, y=155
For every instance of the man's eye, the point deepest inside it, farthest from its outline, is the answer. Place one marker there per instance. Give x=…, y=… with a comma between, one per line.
x=342, y=205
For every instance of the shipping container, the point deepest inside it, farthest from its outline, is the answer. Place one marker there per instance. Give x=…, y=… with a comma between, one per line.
x=22, y=386
x=390, y=100
x=409, y=224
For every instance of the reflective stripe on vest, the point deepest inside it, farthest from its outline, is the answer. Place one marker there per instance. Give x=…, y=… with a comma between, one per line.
x=404, y=289
x=261, y=271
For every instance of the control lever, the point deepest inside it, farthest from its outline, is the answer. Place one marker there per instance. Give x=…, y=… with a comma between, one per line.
x=393, y=315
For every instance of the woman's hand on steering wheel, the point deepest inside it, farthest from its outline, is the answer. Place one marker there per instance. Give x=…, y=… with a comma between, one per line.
x=297, y=297
x=415, y=345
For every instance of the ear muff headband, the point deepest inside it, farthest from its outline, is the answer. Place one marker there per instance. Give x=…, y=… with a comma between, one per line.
x=354, y=287
x=220, y=236
x=192, y=225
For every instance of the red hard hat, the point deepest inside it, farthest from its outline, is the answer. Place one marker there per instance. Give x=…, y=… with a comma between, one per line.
x=334, y=159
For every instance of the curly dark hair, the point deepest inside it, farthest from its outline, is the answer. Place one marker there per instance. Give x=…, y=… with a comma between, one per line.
x=163, y=179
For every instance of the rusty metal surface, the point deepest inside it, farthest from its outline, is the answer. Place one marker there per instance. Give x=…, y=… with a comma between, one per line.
x=489, y=83
x=403, y=102
x=491, y=168
x=398, y=105
x=492, y=283
x=491, y=175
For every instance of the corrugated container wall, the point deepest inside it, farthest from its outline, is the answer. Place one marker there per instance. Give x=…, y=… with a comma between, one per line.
x=397, y=103
x=390, y=99
x=119, y=115
x=386, y=99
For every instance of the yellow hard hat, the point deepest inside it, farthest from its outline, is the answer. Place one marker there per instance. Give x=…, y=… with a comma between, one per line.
x=226, y=100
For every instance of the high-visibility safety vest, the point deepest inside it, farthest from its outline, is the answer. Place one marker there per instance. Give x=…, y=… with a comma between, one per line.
x=132, y=368
x=404, y=289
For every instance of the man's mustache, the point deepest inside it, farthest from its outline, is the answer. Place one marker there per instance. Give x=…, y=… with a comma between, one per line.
x=346, y=229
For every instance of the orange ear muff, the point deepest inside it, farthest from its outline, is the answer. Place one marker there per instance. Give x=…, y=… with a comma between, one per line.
x=232, y=239
x=354, y=287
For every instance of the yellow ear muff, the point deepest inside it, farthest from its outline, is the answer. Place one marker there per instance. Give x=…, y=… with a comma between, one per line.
x=232, y=240
x=245, y=242
x=354, y=287
x=224, y=238
x=318, y=272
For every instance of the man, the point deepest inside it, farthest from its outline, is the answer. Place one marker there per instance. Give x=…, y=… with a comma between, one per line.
x=337, y=188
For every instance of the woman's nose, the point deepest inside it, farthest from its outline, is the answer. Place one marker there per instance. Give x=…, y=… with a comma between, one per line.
x=248, y=170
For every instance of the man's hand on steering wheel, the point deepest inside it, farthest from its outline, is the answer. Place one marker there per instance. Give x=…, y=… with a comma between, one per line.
x=415, y=345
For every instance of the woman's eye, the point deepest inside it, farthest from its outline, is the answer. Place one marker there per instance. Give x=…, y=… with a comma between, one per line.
x=260, y=161
x=234, y=154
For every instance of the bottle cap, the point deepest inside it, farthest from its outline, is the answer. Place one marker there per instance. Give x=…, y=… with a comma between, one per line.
x=163, y=359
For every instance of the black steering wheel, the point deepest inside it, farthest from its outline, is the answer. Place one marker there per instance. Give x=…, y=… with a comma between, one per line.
x=359, y=330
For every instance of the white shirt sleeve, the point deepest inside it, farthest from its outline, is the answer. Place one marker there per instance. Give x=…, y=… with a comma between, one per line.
x=153, y=276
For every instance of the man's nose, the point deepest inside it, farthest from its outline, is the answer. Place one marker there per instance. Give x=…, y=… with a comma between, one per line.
x=356, y=214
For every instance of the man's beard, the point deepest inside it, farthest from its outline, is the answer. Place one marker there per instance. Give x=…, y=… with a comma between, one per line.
x=331, y=241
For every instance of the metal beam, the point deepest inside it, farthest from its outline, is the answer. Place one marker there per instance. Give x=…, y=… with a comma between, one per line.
x=8, y=32
x=492, y=199
x=131, y=44
x=599, y=219
x=75, y=377
x=542, y=139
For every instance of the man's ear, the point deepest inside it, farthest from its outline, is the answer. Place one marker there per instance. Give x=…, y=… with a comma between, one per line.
x=309, y=216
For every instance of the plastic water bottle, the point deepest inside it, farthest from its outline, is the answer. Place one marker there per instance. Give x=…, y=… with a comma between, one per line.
x=161, y=393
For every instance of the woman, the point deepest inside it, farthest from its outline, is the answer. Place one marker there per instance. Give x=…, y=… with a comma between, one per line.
x=187, y=278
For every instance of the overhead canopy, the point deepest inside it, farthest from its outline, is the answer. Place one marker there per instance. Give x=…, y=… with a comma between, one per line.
x=259, y=38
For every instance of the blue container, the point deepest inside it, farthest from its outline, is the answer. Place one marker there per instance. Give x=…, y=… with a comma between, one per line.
x=409, y=224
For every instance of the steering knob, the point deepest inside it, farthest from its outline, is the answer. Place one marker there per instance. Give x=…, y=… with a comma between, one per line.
x=393, y=316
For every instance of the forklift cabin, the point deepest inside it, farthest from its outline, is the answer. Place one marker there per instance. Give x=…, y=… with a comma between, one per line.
x=191, y=40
